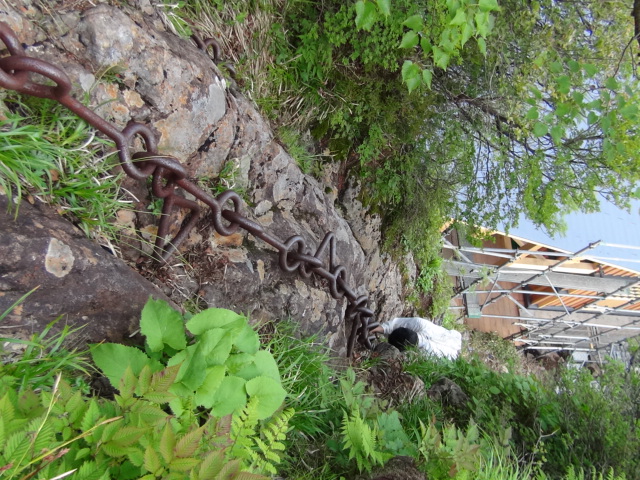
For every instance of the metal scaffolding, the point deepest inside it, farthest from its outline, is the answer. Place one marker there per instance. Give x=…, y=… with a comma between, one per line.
x=589, y=327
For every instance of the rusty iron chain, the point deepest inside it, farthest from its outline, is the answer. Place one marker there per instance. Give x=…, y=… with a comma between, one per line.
x=168, y=174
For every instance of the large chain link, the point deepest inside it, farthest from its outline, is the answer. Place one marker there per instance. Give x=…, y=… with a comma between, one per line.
x=168, y=174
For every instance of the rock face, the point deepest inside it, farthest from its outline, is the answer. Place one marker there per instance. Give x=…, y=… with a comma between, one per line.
x=166, y=82
x=76, y=278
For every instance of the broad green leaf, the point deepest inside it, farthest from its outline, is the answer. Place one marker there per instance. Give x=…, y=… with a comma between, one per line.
x=460, y=17
x=540, y=129
x=488, y=5
x=237, y=361
x=229, y=397
x=162, y=325
x=592, y=118
x=269, y=393
x=206, y=392
x=212, y=318
x=409, y=40
x=366, y=14
x=385, y=7
x=414, y=22
x=113, y=359
x=427, y=75
x=247, y=340
x=267, y=365
x=215, y=346
x=532, y=114
x=494, y=390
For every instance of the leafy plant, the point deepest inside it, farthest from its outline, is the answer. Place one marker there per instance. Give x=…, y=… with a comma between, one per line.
x=222, y=370
x=362, y=440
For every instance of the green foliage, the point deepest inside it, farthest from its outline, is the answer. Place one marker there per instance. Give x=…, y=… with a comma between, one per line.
x=49, y=434
x=552, y=423
x=56, y=430
x=361, y=440
x=449, y=451
x=49, y=153
x=460, y=20
x=43, y=357
x=300, y=153
x=220, y=369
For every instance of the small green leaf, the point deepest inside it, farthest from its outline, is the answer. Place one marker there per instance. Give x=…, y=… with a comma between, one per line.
x=459, y=18
x=183, y=464
x=385, y=7
x=440, y=58
x=590, y=69
x=482, y=23
x=592, y=118
x=557, y=133
x=410, y=75
x=151, y=460
x=555, y=67
x=564, y=84
x=488, y=5
x=482, y=46
x=467, y=31
x=366, y=14
x=573, y=66
x=425, y=44
x=188, y=444
x=629, y=112
x=532, y=114
x=427, y=75
x=540, y=129
x=414, y=22
x=494, y=390
x=167, y=442
x=161, y=325
x=612, y=83
x=409, y=40
x=578, y=97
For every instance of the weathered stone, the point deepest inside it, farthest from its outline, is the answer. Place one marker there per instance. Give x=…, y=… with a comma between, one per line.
x=398, y=468
x=449, y=393
x=167, y=82
x=75, y=278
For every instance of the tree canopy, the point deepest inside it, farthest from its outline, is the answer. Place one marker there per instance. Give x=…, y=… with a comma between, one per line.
x=513, y=107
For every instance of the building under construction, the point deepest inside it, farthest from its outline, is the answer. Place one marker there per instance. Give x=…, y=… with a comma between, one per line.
x=542, y=297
